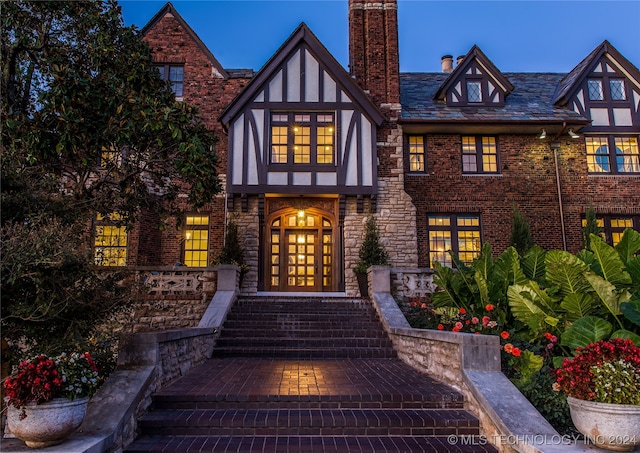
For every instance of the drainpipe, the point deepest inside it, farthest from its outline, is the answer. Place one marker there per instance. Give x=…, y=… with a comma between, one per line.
x=555, y=147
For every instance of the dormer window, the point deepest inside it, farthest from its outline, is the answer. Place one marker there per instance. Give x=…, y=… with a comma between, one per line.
x=474, y=91
x=617, y=91
x=616, y=86
x=596, y=92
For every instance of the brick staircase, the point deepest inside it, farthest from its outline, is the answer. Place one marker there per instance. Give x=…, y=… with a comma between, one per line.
x=306, y=375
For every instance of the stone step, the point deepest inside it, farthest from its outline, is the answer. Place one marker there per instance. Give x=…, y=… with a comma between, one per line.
x=310, y=444
x=306, y=353
x=305, y=342
x=290, y=332
x=309, y=422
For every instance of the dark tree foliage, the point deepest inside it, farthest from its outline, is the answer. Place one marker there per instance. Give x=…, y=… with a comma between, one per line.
x=590, y=227
x=88, y=128
x=521, y=238
x=372, y=252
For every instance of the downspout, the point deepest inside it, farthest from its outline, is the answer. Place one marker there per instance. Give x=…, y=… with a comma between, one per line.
x=555, y=147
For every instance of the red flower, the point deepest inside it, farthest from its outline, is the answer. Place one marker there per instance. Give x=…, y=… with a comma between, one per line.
x=504, y=334
x=462, y=310
x=440, y=327
x=412, y=304
x=489, y=307
x=516, y=352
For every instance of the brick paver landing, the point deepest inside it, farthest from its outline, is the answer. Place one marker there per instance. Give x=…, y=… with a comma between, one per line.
x=280, y=402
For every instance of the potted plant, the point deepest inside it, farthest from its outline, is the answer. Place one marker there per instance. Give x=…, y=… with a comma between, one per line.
x=602, y=382
x=47, y=397
x=371, y=253
x=232, y=252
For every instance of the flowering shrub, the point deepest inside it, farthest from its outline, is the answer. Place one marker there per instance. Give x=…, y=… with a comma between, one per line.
x=43, y=378
x=423, y=315
x=607, y=371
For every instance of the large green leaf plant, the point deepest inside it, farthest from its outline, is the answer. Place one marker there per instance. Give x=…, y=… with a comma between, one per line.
x=583, y=298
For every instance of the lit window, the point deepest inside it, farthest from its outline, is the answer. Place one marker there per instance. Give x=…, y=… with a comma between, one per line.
x=596, y=93
x=616, y=86
x=474, y=91
x=196, y=244
x=174, y=75
x=416, y=153
x=613, y=226
x=479, y=155
x=110, y=241
x=303, y=138
x=600, y=160
x=458, y=233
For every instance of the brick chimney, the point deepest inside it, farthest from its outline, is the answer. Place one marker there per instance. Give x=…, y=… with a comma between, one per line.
x=373, y=48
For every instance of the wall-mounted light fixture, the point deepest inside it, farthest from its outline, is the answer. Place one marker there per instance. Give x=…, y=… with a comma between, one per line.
x=572, y=134
x=543, y=134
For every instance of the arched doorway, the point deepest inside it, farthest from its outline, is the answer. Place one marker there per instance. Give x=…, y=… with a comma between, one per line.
x=300, y=251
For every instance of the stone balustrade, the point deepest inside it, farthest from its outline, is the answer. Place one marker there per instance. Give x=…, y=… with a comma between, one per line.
x=416, y=282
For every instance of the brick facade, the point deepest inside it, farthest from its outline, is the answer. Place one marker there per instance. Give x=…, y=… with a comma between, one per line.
x=530, y=170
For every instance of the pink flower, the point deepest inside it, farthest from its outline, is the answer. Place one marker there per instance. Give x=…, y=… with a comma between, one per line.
x=475, y=320
x=423, y=306
x=485, y=320
x=459, y=325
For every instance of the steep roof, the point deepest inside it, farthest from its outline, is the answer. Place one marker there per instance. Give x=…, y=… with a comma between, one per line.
x=530, y=102
x=302, y=35
x=475, y=55
x=573, y=79
x=168, y=8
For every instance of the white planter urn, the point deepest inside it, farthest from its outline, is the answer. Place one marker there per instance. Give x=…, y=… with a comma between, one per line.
x=48, y=423
x=610, y=426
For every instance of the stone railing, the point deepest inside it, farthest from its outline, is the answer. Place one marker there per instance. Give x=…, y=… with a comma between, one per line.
x=177, y=280
x=413, y=282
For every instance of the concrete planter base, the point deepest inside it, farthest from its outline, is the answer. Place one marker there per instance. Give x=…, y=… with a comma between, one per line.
x=609, y=426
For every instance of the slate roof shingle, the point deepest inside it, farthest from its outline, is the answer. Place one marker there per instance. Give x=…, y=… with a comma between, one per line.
x=530, y=101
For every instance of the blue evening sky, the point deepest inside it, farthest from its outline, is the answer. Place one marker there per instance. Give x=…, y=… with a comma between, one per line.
x=518, y=36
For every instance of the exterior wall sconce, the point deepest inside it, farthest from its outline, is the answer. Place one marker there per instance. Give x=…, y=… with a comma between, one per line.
x=572, y=134
x=543, y=134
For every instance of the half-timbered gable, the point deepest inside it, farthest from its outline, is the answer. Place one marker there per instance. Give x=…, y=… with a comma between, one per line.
x=475, y=82
x=605, y=87
x=302, y=127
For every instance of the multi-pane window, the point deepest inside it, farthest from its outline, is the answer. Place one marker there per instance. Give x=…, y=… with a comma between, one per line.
x=479, y=154
x=174, y=74
x=596, y=93
x=110, y=241
x=474, y=91
x=613, y=226
x=302, y=138
x=416, y=153
x=459, y=233
x=196, y=244
x=610, y=154
x=616, y=87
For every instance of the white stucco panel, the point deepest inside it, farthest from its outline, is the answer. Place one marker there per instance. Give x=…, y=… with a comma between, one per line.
x=277, y=178
x=368, y=153
x=329, y=88
x=326, y=179
x=599, y=117
x=622, y=117
x=252, y=164
x=311, y=78
x=301, y=178
x=293, y=78
x=236, y=150
x=275, y=88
